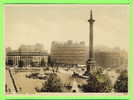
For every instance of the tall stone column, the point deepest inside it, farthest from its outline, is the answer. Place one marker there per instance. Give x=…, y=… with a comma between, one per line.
x=91, y=59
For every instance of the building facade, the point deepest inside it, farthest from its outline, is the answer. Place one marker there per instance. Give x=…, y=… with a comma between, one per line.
x=27, y=55
x=77, y=53
x=111, y=59
x=69, y=52
x=28, y=58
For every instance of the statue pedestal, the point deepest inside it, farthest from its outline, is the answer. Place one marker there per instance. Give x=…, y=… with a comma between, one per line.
x=91, y=63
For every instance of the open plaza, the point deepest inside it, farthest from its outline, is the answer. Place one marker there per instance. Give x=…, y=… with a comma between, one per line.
x=70, y=67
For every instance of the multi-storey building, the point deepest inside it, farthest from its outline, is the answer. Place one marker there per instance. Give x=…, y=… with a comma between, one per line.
x=30, y=55
x=28, y=58
x=69, y=52
x=77, y=53
x=111, y=58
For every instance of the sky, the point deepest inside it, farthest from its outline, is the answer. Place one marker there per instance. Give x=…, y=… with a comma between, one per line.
x=44, y=23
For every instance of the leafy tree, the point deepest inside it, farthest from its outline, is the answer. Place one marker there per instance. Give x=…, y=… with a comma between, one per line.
x=121, y=84
x=97, y=82
x=21, y=63
x=10, y=62
x=53, y=84
x=42, y=62
x=49, y=60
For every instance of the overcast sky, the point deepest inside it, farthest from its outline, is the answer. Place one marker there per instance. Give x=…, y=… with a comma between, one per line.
x=31, y=24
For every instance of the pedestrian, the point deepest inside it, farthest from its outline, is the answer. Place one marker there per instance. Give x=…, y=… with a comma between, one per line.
x=6, y=87
x=20, y=89
x=9, y=90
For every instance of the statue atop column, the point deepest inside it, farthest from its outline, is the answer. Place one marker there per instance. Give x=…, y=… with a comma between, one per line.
x=91, y=60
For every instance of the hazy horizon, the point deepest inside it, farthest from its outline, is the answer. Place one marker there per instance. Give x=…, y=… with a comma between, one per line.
x=31, y=24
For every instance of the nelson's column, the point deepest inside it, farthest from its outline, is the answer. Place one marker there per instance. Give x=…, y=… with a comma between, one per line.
x=91, y=60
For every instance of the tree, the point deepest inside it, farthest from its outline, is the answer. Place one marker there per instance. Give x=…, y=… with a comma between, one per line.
x=97, y=82
x=10, y=62
x=21, y=63
x=121, y=84
x=53, y=84
x=42, y=62
x=49, y=60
